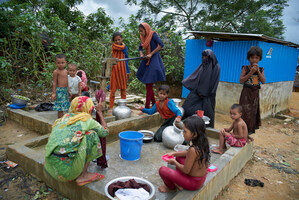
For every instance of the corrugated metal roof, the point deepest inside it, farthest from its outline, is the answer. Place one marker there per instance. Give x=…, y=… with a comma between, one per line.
x=223, y=36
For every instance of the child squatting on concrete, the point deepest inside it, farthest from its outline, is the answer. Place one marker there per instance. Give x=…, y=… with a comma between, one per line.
x=239, y=135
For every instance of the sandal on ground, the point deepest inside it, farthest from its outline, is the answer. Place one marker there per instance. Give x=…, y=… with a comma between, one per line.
x=96, y=177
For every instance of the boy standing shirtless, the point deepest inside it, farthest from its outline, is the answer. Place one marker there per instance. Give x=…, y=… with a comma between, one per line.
x=60, y=86
x=239, y=135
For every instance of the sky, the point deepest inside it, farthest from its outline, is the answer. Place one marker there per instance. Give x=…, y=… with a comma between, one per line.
x=117, y=8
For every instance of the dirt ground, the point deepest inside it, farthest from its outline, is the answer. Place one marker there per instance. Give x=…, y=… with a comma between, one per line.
x=275, y=142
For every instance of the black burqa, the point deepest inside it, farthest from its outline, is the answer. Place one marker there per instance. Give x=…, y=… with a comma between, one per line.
x=203, y=83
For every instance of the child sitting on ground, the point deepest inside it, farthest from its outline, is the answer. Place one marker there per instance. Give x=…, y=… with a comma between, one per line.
x=167, y=110
x=191, y=165
x=239, y=135
x=74, y=82
x=60, y=86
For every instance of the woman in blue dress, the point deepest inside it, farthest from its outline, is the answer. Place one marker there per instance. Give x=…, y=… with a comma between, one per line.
x=151, y=69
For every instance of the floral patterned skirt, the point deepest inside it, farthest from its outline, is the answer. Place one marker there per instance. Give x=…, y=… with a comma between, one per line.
x=68, y=166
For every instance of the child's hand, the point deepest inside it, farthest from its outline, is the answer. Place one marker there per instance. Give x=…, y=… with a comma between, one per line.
x=100, y=106
x=53, y=96
x=148, y=56
x=171, y=154
x=171, y=161
x=254, y=68
x=137, y=107
x=141, y=54
x=178, y=119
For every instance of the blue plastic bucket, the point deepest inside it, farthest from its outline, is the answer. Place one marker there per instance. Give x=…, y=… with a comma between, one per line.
x=130, y=145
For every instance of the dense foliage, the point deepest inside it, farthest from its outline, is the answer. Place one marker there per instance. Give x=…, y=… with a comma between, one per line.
x=238, y=16
x=33, y=32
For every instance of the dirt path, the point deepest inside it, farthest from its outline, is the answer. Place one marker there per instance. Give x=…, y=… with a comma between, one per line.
x=275, y=142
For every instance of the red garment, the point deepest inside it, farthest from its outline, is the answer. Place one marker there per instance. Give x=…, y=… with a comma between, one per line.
x=150, y=95
x=112, y=96
x=234, y=142
x=165, y=112
x=118, y=78
x=101, y=161
x=171, y=177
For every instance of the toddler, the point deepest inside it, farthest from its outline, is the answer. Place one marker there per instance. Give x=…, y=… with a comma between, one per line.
x=239, y=135
x=74, y=82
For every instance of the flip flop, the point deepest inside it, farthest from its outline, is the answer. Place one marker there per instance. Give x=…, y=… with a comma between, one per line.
x=96, y=177
x=216, y=152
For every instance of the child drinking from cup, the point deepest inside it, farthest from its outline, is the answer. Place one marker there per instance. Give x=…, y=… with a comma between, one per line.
x=251, y=77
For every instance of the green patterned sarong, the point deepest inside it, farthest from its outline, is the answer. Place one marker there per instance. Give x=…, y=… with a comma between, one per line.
x=70, y=147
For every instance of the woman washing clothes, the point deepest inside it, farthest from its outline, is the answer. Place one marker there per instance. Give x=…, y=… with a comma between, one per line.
x=74, y=142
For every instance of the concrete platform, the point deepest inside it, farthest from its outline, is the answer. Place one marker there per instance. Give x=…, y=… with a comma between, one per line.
x=41, y=122
x=30, y=156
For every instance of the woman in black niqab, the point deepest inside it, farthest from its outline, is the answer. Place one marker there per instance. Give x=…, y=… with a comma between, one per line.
x=203, y=83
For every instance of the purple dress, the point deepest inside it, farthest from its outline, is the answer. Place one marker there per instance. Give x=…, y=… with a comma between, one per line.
x=155, y=71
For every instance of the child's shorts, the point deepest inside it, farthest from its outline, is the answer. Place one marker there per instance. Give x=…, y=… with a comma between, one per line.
x=234, y=142
x=62, y=102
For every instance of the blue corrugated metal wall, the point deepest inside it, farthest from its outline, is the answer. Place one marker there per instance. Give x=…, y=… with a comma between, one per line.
x=231, y=55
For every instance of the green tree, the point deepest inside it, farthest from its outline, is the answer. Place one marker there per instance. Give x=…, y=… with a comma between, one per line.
x=32, y=33
x=240, y=16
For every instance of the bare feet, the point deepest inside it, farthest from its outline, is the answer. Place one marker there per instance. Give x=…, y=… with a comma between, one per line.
x=87, y=178
x=217, y=151
x=217, y=147
x=164, y=188
x=250, y=139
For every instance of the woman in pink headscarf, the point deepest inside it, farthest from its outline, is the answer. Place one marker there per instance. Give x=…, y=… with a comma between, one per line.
x=152, y=69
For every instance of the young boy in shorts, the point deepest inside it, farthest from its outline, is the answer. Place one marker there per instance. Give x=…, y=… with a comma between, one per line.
x=60, y=86
x=167, y=110
x=239, y=135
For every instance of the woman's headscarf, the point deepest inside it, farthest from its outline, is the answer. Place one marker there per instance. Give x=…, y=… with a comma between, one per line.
x=82, y=107
x=83, y=78
x=146, y=41
x=204, y=80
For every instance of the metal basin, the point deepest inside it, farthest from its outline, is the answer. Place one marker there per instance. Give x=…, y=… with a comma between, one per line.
x=126, y=178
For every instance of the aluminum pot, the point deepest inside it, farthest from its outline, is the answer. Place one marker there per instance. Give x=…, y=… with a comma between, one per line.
x=172, y=136
x=121, y=111
x=177, y=103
